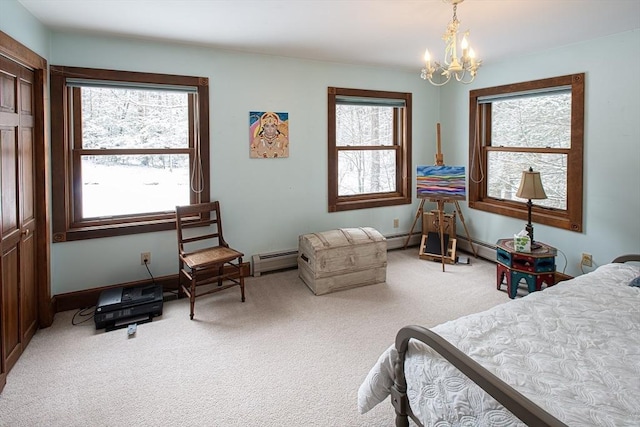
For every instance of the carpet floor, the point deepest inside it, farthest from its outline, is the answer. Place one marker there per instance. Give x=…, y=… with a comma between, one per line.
x=285, y=357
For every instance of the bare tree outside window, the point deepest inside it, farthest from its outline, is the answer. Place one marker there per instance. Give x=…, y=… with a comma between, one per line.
x=543, y=122
x=126, y=119
x=369, y=148
x=370, y=171
x=539, y=125
x=127, y=148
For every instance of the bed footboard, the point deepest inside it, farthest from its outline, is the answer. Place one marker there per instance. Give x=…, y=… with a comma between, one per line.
x=520, y=406
x=627, y=258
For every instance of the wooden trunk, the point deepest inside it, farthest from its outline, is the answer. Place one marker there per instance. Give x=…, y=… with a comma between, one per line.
x=342, y=259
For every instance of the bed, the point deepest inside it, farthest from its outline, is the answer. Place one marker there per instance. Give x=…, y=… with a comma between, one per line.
x=566, y=356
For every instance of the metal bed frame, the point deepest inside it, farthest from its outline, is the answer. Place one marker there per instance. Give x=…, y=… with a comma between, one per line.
x=519, y=405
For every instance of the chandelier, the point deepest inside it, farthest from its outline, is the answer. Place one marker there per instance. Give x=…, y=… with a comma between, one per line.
x=463, y=68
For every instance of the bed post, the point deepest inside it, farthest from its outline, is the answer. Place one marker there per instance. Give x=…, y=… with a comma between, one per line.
x=399, y=398
x=399, y=391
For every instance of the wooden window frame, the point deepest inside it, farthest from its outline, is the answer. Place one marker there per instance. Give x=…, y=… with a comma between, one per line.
x=66, y=223
x=402, y=147
x=480, y=145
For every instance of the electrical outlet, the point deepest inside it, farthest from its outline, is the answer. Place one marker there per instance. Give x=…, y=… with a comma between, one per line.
x=145, y=256
x=586, y=260
x=396, y=223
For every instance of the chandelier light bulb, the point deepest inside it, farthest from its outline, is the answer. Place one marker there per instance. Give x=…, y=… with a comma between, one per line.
x=427, y=56
x=464, y=44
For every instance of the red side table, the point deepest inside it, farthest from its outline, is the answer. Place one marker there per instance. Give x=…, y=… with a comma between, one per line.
x=536, y=268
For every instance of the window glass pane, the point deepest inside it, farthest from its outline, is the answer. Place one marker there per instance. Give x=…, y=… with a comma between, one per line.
x=364, y=125
x=366, y=171
x=134, y=118
x=505, y=171
x=535, y=121
x=126, y=185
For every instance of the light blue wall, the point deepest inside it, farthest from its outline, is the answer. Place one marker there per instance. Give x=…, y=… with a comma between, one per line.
x=611, y=206
x=268, y=203
x=18, y=23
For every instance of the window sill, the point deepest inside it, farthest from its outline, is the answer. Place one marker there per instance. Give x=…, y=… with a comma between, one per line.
x=347, y=205
x=549, y=217
x=112, y=230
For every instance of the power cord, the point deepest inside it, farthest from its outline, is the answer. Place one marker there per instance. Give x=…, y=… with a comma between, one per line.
x=565, y=261
x=153, y=280
x=83, y=313
x=146, y=264
x=593, y=266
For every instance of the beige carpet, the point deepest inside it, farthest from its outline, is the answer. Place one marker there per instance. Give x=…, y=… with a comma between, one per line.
x=283, y=358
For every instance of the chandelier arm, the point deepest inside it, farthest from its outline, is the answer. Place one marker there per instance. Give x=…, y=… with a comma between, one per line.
x=438, y=84
x=468, y=81
x=460, y=75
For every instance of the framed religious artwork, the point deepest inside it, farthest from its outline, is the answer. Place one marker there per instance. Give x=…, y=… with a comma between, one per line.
x=268, y=135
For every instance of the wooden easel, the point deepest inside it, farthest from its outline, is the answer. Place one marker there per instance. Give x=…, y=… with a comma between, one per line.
x=439, y=157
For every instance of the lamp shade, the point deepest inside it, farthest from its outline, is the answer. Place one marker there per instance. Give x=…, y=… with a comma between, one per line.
x=531, y=186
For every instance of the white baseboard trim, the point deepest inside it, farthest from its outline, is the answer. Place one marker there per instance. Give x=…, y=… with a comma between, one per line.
x=483, y=250
x=397, y=241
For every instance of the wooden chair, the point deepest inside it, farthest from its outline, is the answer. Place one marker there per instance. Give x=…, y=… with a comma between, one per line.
x=205, y=258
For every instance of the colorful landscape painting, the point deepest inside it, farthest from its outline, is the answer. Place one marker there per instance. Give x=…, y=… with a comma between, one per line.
x=441, y=182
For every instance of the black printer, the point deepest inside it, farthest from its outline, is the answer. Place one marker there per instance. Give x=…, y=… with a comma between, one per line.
x=119, y=307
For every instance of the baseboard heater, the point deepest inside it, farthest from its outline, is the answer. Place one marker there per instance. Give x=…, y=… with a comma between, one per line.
x=398, y=241
x=483, y=250
x=274, y=261
x=282, y=260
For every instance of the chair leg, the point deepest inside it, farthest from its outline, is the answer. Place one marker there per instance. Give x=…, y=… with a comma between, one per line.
x=180, y=291
x=192, y=297
x=220, y=273
x=241, y=277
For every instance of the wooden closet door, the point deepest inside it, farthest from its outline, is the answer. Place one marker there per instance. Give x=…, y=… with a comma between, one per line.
x=28, y=230
x=17, y=217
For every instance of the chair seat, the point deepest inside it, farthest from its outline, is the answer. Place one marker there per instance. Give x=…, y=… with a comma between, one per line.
x=210, y=256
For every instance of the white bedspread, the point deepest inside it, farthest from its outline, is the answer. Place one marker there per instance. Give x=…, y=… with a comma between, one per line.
x=573, y=349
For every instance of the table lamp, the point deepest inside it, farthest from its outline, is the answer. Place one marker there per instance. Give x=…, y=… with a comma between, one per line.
x=531, y=188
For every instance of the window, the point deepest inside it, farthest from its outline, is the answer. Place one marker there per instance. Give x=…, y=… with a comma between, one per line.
x=537, y=124
x=127, y=148
x=369, y=136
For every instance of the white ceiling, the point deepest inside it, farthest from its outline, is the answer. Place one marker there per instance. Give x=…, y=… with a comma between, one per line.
x=391, y=33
